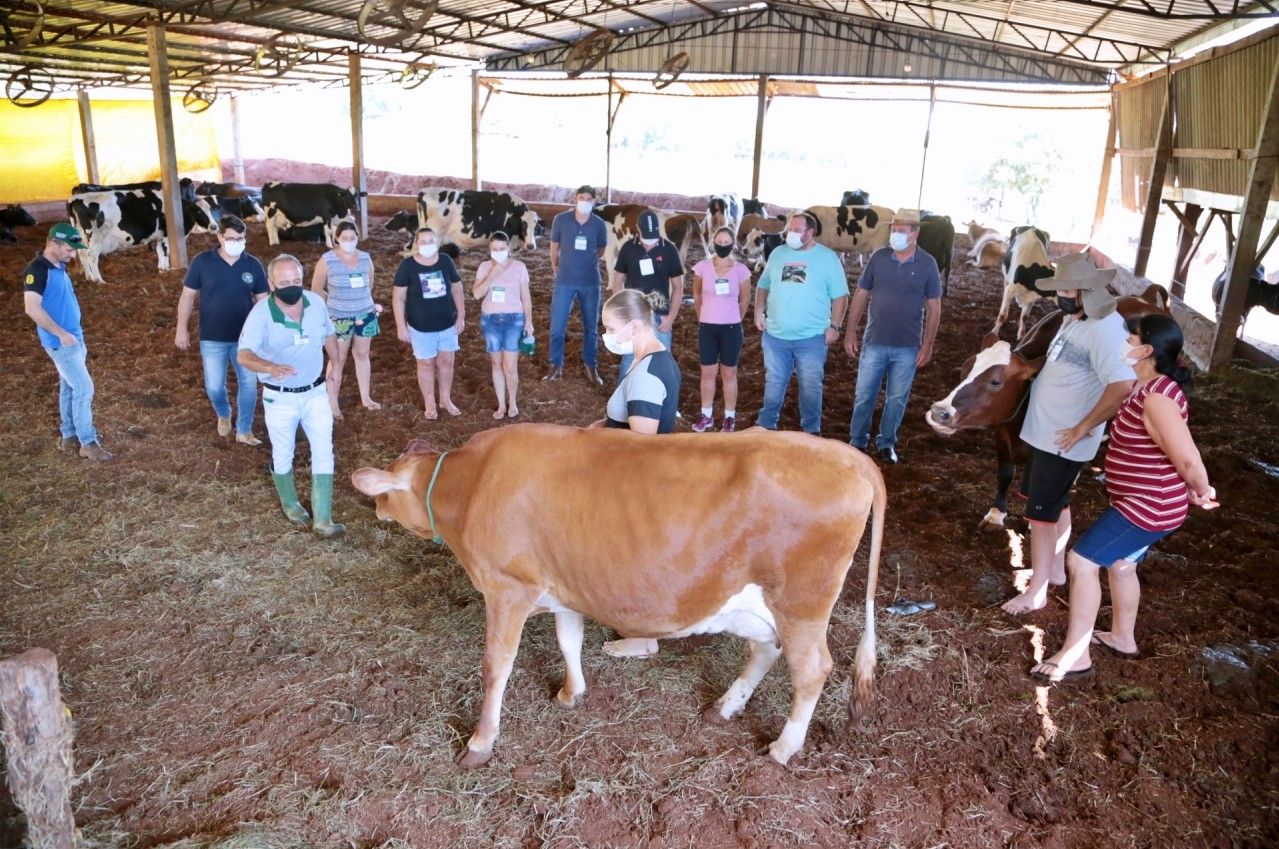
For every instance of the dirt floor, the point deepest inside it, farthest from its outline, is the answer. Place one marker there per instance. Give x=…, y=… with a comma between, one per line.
x=237, y=682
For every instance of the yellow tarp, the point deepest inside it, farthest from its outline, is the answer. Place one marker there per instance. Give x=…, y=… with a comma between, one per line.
x=42, y=155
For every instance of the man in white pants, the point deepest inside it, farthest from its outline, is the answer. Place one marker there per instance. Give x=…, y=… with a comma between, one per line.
x=284, y=340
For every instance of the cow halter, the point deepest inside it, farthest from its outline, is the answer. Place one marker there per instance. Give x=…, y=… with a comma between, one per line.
x=430, y=513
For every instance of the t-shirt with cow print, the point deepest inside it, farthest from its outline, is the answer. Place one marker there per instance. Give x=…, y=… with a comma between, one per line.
x=428, y=302
x=650, y=270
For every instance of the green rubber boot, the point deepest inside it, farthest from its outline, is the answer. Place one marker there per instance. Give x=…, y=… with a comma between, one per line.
x=322, y=504
x=293, y=509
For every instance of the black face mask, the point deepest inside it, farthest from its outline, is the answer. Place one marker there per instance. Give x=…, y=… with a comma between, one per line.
x=1069, y=306
x=722, y=251
x=289, y=295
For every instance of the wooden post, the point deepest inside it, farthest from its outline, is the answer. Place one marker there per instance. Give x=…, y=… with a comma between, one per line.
x=175, y=235
x=608, y=136
x=359, y=180
x=761, y=107
x=37, y=743
x=928, y=129
x=1155, y=190
x=1261, y=179
x=86, y=133
x=235, y=138
x=1103, y=185
x=475, y=129
x=1187, y=231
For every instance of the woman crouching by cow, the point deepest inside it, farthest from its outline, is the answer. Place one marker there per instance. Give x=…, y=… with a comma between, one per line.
x=646, y=397
x=1153, y=474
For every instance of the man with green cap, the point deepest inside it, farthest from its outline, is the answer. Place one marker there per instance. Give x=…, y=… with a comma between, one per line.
x=50, y=301
x=284, y=340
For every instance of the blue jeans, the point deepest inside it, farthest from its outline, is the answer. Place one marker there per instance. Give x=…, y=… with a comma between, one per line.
x=874, y=363
x=217, y=356
x=562, y=299
x=664, y=338
x=75, y=392
x=807, y=357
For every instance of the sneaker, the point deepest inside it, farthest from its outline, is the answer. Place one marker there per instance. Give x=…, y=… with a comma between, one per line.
x=888, y=455
x=703, y=424
x=224, y=426
x=730, y=425
x=94, y=451
x=248, y=439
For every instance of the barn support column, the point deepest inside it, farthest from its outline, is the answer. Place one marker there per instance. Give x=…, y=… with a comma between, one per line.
x=86, y=134
x=475, y=129
x=608, y=139
x=1103, y=185
x=175, y=234
x=1187, y=243
x=235, y=139
x=760, y=110
x=928, y=131
x=359, y=180
x=1155, y=188
x=1261, y=179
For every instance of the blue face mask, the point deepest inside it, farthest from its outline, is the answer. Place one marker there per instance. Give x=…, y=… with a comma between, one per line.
x=898, y=241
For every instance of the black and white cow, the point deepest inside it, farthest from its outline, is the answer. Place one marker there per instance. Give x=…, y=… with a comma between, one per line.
x=405, y=221
x=468, y=218
x=855, y=197
x=236, y=199
x=12, y=217
x=293, y=206
x=186, y=188
x=1025, y=263
x=846, y=229
x=723, y=210
x=937, y=239
x=1261, y=293
x=755, y=206
x=121, y=218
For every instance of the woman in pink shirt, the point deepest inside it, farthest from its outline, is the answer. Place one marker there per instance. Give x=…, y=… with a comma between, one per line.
x=1153, y=474
x=720, y=295
x=506, y=315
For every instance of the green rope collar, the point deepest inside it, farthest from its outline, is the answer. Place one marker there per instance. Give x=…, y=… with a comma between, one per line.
x=430, y=513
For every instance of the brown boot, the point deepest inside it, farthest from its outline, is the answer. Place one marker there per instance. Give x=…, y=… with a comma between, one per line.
x=593, y=376
x=554, y=373
x=69, y=444
x=94, y=451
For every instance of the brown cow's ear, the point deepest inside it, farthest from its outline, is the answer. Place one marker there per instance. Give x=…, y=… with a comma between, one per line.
x=988, y=340
x=374, y=482
x=419, y=446
x=1032, y=367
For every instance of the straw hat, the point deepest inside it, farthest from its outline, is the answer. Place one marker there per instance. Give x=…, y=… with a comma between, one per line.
x=906, y=216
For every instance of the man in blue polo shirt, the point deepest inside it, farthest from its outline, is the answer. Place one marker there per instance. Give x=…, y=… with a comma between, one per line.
x=903, y=289
x=284, y=340
x=50, y=301
x=228, y=282
x=651, y=264
x=578, y=239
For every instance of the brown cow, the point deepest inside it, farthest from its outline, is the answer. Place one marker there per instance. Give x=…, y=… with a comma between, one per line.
x=996, y=385
x=989, y=246
x=759, y=548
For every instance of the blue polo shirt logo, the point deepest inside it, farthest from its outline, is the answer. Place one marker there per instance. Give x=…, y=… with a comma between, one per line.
x=247, y=278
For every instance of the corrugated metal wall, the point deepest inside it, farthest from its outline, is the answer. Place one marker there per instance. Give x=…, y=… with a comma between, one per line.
x=1217, y=103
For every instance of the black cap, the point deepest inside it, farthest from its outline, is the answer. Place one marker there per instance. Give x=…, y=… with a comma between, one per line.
x=649, y=226
x=585, y=190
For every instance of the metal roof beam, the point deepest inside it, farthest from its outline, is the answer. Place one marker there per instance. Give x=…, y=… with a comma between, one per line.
x=1263, y=9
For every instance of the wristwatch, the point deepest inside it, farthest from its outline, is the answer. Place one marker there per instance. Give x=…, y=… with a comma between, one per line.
x=835, y=328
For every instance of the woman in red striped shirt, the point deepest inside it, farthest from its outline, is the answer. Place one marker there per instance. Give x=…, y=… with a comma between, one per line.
x=1153, y=474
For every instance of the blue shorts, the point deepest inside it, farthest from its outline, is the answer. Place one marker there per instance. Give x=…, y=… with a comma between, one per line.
x=427, y=345
x=1113, y=538
x=502, y=331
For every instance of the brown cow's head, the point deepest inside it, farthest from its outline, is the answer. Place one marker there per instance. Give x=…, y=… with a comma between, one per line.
x=994, y=383
x=400, y=489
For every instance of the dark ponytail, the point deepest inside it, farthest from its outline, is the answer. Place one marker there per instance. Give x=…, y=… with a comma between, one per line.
x=1164, y=337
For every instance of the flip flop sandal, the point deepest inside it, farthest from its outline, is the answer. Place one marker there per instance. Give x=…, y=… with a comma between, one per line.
x=906, y=607
x=1107, y=647
x=1065, y=678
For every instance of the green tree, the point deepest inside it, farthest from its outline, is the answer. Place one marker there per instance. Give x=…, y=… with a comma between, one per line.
x=1024, y=174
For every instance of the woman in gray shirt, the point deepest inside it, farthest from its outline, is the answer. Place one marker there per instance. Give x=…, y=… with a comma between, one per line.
x=344, y=278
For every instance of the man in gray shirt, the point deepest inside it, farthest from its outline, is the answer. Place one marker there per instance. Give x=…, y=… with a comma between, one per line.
x=1084, y=379
x=578, y=239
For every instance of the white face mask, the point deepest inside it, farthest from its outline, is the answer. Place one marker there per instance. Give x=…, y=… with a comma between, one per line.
x=233, y=249
x=584, y=206
x=499, y=256
x=617, y=346
x=648, y=243
x=795, y=240
x=898, y=241
x=428, y=251
x=348, y=245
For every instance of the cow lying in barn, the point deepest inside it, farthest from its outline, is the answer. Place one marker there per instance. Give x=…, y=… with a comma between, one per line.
x=288, y=207
x=1260, y=293
x=120, y=218
x=12, y=217
x=678, y=228
x=469, y=219
x=1025, y=262
x=693, y=566
x=992, y=393
x=989, y=246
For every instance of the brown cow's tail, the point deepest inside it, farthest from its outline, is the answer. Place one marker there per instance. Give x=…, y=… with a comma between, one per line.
x=864, y=669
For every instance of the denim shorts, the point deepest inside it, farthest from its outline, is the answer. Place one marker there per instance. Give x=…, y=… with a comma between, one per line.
x=1113, y=537
x=365, y=326
x=427, y=345
x=502, y=331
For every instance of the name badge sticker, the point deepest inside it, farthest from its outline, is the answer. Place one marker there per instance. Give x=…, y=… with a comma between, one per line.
x=300, y=339
x=721, y=286
x=579, y=243
x=646, y=266
x=356, y=281
x=499, y=295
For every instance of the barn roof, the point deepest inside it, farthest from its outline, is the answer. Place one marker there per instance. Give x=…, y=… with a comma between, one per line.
x=252, y=44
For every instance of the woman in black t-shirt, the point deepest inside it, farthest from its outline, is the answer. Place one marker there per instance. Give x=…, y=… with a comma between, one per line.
x=428, y=302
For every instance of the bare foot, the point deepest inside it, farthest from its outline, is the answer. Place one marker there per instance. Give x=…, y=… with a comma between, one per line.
x=337, y=414
x=513, y=412
x=370, y=404
x=1026, y=602
x=499, y=413
x=631, y=647
x=451, y=409
x=431, y=413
